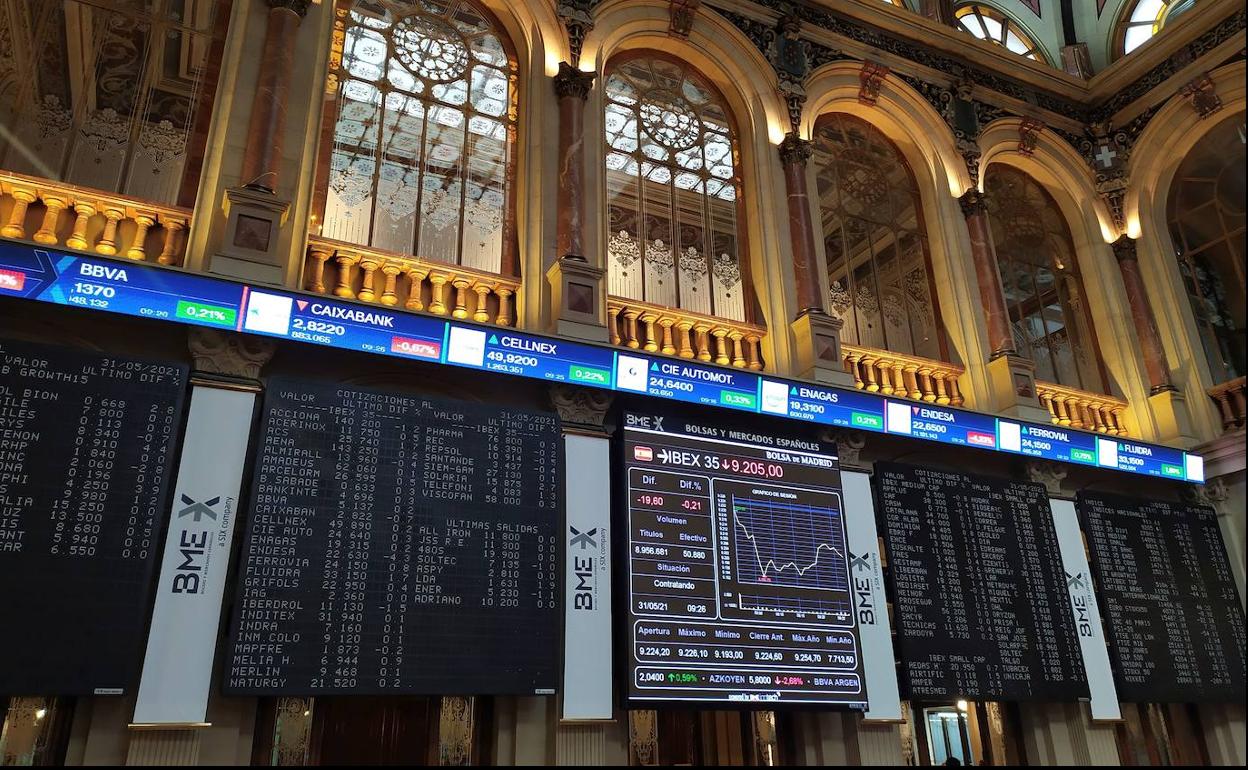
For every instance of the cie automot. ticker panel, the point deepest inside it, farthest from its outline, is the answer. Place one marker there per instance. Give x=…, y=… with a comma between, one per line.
x=738, y=577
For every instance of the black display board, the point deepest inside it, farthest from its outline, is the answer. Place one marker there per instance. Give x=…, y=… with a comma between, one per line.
x=398, y=544
x=1168, y=598
x=87, y=444
x=980, y=597
x=738, y=582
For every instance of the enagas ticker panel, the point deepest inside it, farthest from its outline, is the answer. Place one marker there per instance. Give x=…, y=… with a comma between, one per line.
x=979, y=592
x=398, y=544
x=1176, y=627
x=87, y=444
x=738, y=584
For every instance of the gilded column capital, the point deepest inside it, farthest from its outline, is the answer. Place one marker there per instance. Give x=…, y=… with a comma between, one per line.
x=973, y=203
x=571, y=81
x=794, y=150
x=1124, y=249
x=229, y=354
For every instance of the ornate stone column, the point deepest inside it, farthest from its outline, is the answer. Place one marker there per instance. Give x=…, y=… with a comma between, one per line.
x=818, y=335
x=250, y=248
x=983, y=254
x=1011, y=376
x=1142, y=316
x=578, y=292
x=268, y=103
x=572, y=86
x=1168, y=405
x=794, y=154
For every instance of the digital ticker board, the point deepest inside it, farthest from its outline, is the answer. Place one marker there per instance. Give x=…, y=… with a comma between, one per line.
x=738, y=584
x=87, y=444
x=146, y=291
x=398, y=544
x=1173, y=614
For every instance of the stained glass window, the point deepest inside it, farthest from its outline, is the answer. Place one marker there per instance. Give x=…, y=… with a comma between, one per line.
x=672, y=189
x=114, y=96
x=424, y=130
x=875, y=240
x=987, y=23
x=1206, y=213
x=1043, y=291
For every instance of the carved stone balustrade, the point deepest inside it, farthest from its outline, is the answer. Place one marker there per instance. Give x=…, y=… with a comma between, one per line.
x=1082, y=409
x=81, y=219
x=673, y=332
x=1229, y=396
x=370, y=275
x=904, y=376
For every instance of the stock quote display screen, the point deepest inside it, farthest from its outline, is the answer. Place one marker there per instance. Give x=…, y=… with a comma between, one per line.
x=738, y=577
x=398, y=544
x=980, y=597
x=87, y=444
x=1166, y=589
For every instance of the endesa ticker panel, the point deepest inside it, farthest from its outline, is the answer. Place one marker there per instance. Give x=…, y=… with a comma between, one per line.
x=738, y=579
x=149, y=291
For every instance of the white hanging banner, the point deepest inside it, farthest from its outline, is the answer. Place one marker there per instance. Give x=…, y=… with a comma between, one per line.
x=587, y=658
x=1087, y=613
x=177, y=668
x=866, y=578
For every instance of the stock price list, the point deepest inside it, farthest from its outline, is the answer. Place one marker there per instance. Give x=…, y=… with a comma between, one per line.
x=980, y=596
x=398, y=544
x=1166, y=590
x=738, y=577
x=87, y=444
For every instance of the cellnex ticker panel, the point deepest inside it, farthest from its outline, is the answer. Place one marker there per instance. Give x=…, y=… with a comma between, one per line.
x=148, y=291
x=398, y=544
x=87, y=443
x=738, y=583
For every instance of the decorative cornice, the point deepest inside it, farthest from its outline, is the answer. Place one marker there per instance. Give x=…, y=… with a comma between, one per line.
x=794, y=149
x=571, y=81
x=1206, y=42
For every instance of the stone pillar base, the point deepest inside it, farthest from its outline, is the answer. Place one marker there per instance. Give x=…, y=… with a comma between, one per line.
x=163, y=748
x=1013, y=382
x=818, y=338
x=578, y=298
x=249, y=250
x=1174, y=421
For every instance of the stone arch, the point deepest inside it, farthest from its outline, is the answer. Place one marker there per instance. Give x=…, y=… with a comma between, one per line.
x=1161, y=148
x=743, y=76
x=926, y=143
x=1068, y=179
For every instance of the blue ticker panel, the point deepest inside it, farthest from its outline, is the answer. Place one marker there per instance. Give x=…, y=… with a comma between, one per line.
x=147, y=291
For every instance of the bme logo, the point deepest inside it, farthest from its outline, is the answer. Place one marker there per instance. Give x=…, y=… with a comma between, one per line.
x=193, y=546
x=583, y=568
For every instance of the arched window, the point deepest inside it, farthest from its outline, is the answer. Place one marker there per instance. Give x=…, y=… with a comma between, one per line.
x=673, y=191
x=113, y=96
x=1043, y=291
x=987, y=23
x=1206, y=216
x=1143, y=19
x=876, y=243
x=423, y=134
